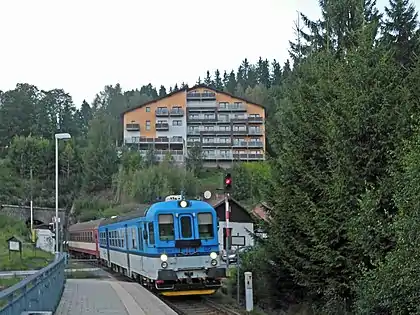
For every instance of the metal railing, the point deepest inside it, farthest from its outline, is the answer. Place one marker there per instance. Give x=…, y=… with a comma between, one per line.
x=40, y=292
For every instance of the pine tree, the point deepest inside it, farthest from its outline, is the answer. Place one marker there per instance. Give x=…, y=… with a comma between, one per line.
x=208, y=81
x=401, y=31
x=231, y=83
x=162, y=91
x=218, y=84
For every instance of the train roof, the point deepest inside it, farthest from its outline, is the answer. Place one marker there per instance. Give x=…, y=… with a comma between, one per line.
x=150, y=209
x=85, y=225
x=138, y=212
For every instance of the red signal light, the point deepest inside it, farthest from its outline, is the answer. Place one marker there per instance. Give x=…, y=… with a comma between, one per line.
x=228, y=182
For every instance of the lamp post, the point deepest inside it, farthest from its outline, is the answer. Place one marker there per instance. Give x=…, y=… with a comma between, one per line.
x=58, y=136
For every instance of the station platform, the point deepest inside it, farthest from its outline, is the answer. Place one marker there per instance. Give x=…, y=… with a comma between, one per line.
x=109, y=296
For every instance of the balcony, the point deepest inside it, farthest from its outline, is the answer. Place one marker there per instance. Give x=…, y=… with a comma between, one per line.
x=257, y=132
x=162, y=112
x=196, y=96
x=145, y=140
x=132, y=127
x=248, y=156
x=255, y=119
x=239, y=120
x=162, y=127
x=241, y=144
x=255, y=144
x=232, y=107
x=216, y=143
x=177, y=155
x=201, y=118
x=240, y=131
x=176, y=112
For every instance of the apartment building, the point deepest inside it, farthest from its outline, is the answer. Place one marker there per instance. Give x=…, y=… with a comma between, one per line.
x=226, y=127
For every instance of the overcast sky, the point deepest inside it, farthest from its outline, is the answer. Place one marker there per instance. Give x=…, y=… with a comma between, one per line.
x=82, y=45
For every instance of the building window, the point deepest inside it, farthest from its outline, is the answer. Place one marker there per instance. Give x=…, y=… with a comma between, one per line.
x=177, y=123
x=147, y=124
x=254, y=115
x=147, y=109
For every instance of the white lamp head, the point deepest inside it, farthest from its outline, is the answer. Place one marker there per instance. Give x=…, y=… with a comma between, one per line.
x=62, y=136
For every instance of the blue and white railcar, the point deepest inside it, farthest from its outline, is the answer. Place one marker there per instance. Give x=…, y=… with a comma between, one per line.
x=171, y=247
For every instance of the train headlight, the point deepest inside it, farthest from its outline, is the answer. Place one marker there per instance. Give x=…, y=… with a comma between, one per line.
x=213, y=255
x=163, y=257
x=164, y=265
x=213, y=262
x=183, y=204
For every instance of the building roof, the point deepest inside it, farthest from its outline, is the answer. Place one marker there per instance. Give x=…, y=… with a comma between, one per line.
x=186, y=89
x=261, y=211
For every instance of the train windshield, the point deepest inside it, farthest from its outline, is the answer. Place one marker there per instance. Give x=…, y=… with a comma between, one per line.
x=205, y=225
x=166, y=227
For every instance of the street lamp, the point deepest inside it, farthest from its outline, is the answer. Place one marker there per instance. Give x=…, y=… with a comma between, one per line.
x=58, y=136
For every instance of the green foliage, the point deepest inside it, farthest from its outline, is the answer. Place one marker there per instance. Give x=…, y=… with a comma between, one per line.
x=146, y=184
x=250, y=180
x=31, y=258
x=100, y=157
x=194, y=160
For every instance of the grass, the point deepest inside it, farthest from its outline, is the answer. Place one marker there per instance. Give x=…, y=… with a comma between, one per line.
x=8, y=282
x=32, y=258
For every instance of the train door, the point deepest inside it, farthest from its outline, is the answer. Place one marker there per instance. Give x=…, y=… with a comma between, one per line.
x=107, y=248
x=186, y=227
x=141, y=243
x=127, y=244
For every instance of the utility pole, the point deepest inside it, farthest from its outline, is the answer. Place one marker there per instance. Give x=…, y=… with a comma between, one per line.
x=32, y=208
x=227, y=189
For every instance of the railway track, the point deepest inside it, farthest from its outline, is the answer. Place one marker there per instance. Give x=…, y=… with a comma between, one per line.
x=194, y=305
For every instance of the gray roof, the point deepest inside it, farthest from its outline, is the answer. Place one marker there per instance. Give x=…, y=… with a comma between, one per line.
x=138, y=212
x=85, y=225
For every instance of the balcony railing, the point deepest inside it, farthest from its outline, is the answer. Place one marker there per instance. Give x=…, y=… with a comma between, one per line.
x=201, y=96
x=176, y=112
x=232, y=107
x=132, y=127
x=134, y=140
x=255, y=119
x=162, y=113
x=162, y=127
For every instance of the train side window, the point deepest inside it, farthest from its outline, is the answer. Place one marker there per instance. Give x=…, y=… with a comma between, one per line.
x=166, y=227
x=186, y=228
x=205, y=225
x=151, y=234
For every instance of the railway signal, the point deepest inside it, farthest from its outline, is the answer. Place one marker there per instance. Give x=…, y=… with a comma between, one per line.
x=228, y=182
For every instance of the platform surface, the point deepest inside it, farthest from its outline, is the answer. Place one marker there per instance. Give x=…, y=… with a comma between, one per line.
x=97, y=296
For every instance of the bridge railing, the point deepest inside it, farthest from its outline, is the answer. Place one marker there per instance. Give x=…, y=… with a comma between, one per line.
x=40, y=292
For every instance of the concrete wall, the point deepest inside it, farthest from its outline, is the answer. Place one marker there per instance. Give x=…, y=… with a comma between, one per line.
x=24, y=213
x=45, y=240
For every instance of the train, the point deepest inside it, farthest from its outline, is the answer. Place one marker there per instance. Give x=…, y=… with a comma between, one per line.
x=170, y=247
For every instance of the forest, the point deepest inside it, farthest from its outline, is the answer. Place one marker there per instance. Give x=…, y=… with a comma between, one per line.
x=342, y=175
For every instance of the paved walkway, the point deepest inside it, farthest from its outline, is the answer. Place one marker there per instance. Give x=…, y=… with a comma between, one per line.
x=93, y=296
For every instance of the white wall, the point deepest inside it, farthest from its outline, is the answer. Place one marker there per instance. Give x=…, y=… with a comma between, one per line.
x=45, y=240
x=237, y=228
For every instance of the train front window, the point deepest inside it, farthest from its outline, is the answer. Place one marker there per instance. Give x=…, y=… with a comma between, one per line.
x=166, y=227
x=186, y=228
x=205, y=225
